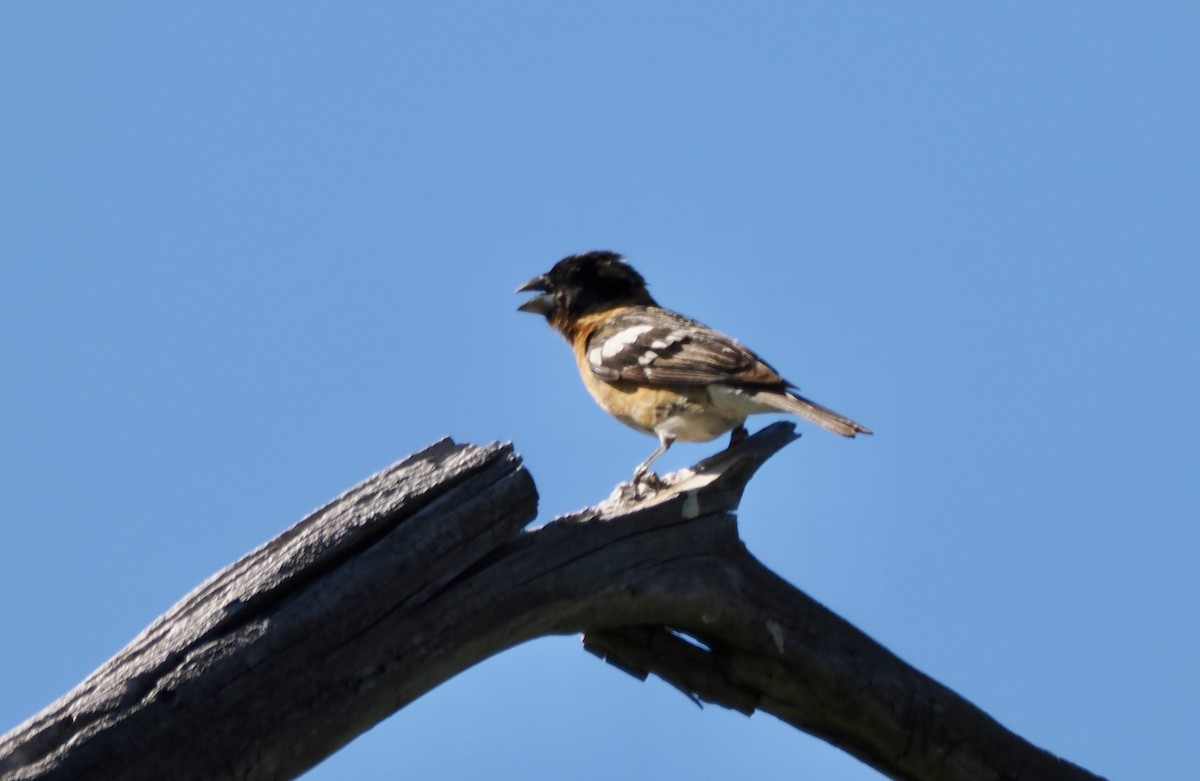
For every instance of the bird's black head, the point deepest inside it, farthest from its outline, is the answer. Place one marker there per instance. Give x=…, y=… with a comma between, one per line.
x=589, y=282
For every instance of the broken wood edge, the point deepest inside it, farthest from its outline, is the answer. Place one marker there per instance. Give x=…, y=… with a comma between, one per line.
x=233, y=604
x=713, y=485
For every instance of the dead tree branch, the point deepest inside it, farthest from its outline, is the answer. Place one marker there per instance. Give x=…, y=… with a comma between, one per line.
x=427, y=568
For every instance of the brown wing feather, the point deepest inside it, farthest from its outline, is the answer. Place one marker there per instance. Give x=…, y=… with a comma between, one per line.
x=654, y=346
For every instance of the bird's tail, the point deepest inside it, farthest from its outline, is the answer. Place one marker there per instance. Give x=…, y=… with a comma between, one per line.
x=812, y=411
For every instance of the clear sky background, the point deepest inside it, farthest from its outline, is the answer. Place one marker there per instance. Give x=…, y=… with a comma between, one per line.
x=252, y=253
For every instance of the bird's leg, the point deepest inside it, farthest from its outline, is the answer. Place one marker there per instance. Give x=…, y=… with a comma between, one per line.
x=640, y=474
x=738, y=435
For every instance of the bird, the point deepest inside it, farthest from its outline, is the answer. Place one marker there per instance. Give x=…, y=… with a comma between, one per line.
x=656, y=370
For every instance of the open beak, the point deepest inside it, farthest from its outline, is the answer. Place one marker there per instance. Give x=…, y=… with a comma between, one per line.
x=538, y=305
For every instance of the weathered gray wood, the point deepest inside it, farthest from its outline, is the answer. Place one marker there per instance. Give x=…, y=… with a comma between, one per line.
x=426, y=569
x=278, y=660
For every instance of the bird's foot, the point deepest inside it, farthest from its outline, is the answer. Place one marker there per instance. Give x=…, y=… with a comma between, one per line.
x=738, y=436
x=643, y=485
x=649, y=481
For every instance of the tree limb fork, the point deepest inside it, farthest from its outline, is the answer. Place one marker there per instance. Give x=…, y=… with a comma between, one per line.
x=428, y=567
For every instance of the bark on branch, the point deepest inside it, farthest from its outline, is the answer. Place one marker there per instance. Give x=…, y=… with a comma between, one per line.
x=427, y=568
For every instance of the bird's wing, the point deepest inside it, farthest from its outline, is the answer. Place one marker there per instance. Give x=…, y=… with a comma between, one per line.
x=653, y=346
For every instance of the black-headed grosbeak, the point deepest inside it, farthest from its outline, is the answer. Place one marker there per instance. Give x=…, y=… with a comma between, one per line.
x=656, y=370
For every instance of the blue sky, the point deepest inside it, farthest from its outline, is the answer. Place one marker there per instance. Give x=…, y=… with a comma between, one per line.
x=249, y=255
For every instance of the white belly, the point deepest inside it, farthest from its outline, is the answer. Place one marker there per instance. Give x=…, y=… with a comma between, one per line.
x=725, y=409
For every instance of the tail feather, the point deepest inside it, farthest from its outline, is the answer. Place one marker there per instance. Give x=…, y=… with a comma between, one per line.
x=814, y=412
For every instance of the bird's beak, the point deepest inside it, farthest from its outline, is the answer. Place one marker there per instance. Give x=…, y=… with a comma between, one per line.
x=538, y=305
x=537, y=283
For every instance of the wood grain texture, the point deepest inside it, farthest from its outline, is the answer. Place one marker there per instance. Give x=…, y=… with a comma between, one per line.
x=428, y=568
x=281, y=658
